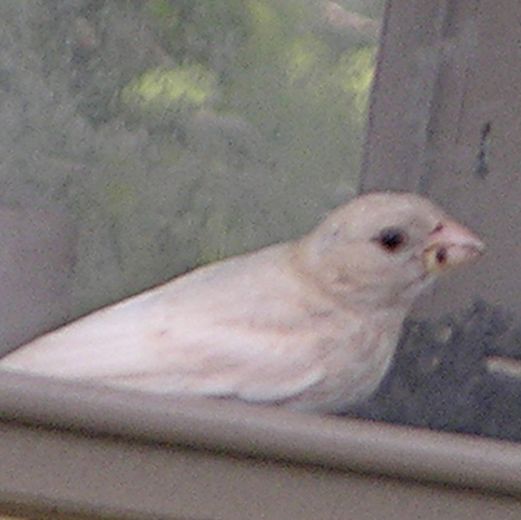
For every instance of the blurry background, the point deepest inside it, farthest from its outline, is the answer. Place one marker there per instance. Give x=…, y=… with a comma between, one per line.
x=176, y=132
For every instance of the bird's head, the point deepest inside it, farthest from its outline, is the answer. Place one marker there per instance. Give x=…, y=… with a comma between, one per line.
x=384, y=248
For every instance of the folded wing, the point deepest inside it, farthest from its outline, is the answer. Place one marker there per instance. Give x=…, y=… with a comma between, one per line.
x=214, y=332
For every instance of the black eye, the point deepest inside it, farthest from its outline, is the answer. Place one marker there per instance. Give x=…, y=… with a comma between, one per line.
x=392, y=239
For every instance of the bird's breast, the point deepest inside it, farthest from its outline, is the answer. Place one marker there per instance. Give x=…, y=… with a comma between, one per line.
x=354, y=362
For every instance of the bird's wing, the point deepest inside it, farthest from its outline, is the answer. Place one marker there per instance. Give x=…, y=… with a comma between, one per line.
x=217, y=331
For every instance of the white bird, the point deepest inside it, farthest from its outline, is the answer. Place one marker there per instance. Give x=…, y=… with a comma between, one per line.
x=311, y=324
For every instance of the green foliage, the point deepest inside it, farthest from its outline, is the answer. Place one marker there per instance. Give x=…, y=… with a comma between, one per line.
x=307, y=99
x=355, y=72
x=162, y=94
x=179, y=131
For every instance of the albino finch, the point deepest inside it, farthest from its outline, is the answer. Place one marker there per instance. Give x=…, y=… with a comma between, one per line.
x=310, y=324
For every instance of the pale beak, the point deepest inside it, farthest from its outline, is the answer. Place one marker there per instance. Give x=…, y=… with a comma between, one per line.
x=450, y=245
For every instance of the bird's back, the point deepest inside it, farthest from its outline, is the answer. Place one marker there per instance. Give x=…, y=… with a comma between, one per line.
x=242, y=327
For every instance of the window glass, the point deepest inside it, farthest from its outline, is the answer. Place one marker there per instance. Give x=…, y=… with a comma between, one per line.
x=175, y=133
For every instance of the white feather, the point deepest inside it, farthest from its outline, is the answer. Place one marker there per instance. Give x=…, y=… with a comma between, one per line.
x=173, y=339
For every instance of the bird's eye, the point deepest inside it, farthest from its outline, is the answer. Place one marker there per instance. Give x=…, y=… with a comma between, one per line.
x=392, y=239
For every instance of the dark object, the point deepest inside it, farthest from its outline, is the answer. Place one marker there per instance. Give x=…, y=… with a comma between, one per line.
x=392, y=238
x=440, y=378
x=482, y=163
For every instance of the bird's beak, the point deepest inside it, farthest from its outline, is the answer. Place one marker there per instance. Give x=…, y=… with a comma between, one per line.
x=449, y=246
